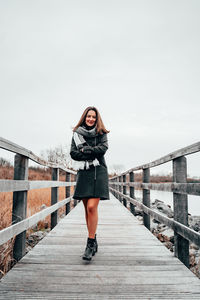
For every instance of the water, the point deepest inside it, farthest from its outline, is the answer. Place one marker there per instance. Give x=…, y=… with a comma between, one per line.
x=167, y=198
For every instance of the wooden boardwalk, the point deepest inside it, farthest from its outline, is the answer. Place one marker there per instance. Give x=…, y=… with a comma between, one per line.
x=130, y=264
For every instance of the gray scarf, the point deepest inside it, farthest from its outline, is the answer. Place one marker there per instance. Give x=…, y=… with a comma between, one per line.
x=79, y=140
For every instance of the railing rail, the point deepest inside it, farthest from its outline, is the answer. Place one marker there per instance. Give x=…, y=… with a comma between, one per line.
x=169, y=157
x=20, y=185
x=180, y=189
x=12, y=147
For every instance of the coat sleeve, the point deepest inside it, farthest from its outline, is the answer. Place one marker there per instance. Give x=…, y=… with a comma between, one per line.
x=102, y=146
x=79, y=155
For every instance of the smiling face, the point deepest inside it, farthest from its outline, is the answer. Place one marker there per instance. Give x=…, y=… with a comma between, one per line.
x=90, y=118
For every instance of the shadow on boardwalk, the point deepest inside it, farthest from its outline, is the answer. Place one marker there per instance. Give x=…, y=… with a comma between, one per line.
x=130, y=264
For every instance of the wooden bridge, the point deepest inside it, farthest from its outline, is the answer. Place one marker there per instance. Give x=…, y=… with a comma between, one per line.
x=130, y=264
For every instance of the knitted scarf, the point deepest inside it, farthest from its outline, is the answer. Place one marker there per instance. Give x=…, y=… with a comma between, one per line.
x=79, y=140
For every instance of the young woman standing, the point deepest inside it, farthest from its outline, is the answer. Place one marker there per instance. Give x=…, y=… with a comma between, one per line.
x=88, y=146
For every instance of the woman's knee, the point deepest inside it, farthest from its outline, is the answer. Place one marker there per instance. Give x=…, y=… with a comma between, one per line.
x=92, y=205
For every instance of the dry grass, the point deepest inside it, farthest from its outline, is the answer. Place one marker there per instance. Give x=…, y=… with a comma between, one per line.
x=36, y=200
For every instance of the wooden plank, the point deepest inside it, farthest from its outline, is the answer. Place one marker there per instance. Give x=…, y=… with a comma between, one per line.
x=91, y=267
x=132, y=192
x=20, y=205
x=97, y=277
x=100, y=289
x=26, y=185
x=124, y=191
x=146, y=198
x=67, y=192
x=106, y=295
x=54, y=198
x=120, y=188
x=180, y=210
x=72, y=260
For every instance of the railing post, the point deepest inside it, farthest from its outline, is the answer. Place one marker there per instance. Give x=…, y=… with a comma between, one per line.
x=110, y=184
x=74, y=179
x=20, y=205
x=67, y=192
x=120, y=188
x=115, y=187
x=181, y=209
x=54, y=197
x=132, y=192
x=146, y=197
x=124, y=191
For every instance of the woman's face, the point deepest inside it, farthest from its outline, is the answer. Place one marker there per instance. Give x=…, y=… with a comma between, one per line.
x=90, y=118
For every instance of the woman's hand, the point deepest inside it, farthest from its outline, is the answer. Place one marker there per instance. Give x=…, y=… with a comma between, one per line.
x=87, y=149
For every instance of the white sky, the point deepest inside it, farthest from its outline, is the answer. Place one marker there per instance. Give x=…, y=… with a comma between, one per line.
x=138, y=62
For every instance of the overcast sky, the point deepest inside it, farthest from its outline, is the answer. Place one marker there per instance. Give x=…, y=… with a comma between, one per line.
x=138, y=62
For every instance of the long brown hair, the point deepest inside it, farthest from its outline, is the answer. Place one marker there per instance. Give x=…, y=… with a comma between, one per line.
x=99, y=123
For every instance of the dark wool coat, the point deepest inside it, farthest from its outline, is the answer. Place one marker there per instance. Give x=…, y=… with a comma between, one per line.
x=92, y=182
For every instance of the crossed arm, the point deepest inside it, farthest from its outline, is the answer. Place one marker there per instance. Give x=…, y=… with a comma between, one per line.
x=89, y=152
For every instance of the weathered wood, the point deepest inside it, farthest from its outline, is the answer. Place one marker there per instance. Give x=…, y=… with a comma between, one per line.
x=180, y=210
x=115, y=180
x=124, y=191
x=10, y=146
x=117, y=187
x=113, y=268
x=67, y=192
x=114, y=185
x=184, y=231
x=146, y=198
x=20, y=205
x=73, y=179
x=179, y=188
x=16, y=185
x=54, y=198
x=149, y=280
x=132, y=192
x=120, y=188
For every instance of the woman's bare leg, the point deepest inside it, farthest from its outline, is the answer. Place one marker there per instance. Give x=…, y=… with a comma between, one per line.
x=92, y=216
x=85, y=200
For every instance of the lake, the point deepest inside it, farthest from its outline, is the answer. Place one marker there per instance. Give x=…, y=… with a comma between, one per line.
x=167, y=198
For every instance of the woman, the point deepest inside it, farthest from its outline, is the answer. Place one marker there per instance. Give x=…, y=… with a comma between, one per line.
x=89, y=144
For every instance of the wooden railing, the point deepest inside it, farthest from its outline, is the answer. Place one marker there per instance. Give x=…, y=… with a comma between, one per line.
x=20, y=185
x=180, y=188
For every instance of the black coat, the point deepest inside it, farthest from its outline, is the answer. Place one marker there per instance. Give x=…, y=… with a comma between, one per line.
x=92, y=182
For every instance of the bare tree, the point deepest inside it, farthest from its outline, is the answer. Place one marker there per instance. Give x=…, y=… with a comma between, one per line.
x=4, y=162
x=59, y=155
x=117, y=168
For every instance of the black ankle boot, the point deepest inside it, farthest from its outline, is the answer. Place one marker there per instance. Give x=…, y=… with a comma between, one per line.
x=89, y=250
x=95, y=245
